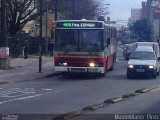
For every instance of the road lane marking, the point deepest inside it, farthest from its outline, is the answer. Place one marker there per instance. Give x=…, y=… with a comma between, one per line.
x=24, y=98
x=28, y=97
x=47, y=89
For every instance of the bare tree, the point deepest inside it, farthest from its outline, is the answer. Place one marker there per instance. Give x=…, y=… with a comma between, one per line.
x=22, y=11
x=79, y=9
x=19, y=13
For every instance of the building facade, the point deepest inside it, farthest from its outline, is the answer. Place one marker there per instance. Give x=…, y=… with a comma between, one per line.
x=136, y=14
x=144, y=10
x=154, y=19
x=0, y=20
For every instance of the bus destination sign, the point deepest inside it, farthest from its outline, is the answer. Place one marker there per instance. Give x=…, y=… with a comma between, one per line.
x=79, y=25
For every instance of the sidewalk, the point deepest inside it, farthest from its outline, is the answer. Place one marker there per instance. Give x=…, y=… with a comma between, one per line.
x=27, y=69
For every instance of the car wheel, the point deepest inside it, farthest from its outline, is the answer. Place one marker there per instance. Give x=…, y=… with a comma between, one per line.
x=128, y=75
x=158, y=73
x=110, y=69
x=154, y=76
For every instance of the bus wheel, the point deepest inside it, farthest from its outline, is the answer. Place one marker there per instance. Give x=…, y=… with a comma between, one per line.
x=65, y=75
x=110, y=69
x=102, y=74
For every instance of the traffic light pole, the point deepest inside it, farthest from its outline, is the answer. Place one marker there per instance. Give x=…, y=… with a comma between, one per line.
x=40, y=42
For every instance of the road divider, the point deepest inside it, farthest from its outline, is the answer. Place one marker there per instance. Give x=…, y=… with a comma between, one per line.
x=106, y=102
x=129, y=95
x=93, y=107
x=67, y=115
x=113, y=100
x=142, y=90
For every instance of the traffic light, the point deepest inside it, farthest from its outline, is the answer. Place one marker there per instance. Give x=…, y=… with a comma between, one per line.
x=52, y=25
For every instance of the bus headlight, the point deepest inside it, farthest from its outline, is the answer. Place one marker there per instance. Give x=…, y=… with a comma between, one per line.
x=130, y=66
x=65, y=64
x=91, y=64
x=151, y=66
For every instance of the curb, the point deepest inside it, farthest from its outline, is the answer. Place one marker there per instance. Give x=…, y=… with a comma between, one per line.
x=3, y=82
x=113, y=100
x=33, y=78
x=53, y=74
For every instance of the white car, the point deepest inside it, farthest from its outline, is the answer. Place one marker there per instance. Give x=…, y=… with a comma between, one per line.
x=143, y=61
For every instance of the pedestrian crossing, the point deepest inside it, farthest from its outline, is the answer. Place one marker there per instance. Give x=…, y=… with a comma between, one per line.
x=14, y=92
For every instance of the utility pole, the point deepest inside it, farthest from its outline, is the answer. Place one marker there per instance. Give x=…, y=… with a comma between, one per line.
x=46, y=26
x=4, y=50
x=73, y=8
x=56, y=10
x=40, y=42
x=4, y=42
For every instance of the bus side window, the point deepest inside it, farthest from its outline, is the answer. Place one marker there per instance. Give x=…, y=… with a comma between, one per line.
x=108, y=42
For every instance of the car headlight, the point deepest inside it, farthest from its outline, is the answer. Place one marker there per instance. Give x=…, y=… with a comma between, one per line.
x=151, y=66
x=130, y=66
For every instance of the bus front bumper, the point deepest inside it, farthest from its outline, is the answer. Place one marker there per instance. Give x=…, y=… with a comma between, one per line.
x=80, y=69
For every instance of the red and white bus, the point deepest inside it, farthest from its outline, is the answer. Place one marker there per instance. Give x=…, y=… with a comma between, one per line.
x=84, y=46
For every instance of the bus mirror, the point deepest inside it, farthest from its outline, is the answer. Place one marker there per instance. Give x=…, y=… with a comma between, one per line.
x=108, y=41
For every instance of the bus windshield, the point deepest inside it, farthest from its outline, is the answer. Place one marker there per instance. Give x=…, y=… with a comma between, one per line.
x=79, y=40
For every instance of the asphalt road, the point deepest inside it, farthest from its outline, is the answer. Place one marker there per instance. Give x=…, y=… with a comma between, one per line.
x=57, y=95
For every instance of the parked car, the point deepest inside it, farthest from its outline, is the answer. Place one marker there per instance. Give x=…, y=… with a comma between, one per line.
x=143, y=61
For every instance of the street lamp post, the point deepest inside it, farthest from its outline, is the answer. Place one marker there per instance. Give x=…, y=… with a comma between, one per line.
x=40, y=42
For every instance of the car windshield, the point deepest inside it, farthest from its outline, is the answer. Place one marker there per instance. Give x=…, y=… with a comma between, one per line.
x=143, y=55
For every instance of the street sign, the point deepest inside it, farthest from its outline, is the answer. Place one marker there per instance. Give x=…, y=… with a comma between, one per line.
x=4, y=52
x=156, y=13
x=156, y=10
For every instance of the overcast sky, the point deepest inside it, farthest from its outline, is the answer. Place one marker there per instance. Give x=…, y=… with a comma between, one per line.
x=121, y=9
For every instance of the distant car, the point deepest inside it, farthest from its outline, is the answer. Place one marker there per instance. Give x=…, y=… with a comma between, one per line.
x=127, y=51
x=143, y=61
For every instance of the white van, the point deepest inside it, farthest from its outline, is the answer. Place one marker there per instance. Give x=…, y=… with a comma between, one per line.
x=143, y=61
x=155, y=46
